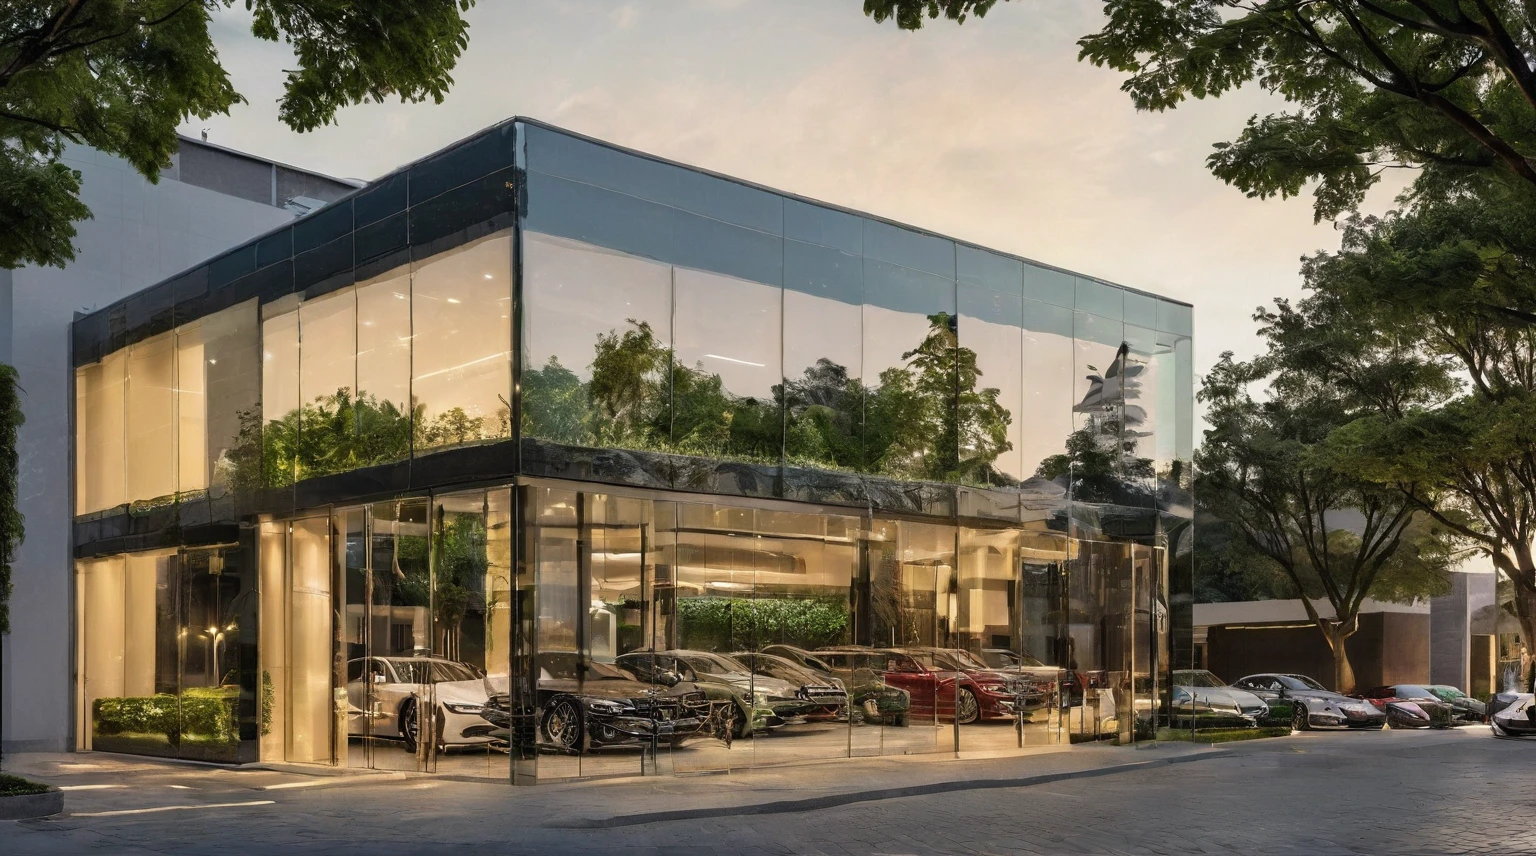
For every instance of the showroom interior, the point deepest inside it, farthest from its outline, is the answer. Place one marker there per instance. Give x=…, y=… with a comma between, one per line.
x=543, y=459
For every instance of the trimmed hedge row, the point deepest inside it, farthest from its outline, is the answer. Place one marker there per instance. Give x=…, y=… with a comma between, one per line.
x=205, y=714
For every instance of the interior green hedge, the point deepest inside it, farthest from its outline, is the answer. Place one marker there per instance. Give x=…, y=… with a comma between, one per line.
x=207, y=714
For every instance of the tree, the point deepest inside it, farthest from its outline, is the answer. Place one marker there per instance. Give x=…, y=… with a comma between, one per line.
x=120, y=75
x=1411, y=318
x=1445, y=87
x=1267, y=470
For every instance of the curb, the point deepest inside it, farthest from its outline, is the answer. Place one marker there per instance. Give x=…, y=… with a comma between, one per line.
x=837, y=800
x=32, y=806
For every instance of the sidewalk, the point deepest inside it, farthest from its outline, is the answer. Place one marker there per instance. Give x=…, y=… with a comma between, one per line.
x=96, y=783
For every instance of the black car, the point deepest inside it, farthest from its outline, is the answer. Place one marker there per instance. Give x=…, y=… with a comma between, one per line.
x=822, y=688
x=1465, y=709
x=1312, y=704
x=605, y=706
x=873, y=700
x=1411, y=706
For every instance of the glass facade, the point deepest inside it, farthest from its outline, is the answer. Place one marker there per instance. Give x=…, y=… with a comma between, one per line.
x=541, y=460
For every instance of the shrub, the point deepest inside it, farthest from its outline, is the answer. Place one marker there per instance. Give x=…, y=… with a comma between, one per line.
x=205, y=713
x=15, y=786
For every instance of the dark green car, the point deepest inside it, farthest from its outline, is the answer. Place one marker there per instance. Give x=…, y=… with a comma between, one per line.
x=873, y=700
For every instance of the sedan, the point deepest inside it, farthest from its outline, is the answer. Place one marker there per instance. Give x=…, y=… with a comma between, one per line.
x=820, y=688
x=387, y=697
x=1312, y=704
x=876, y=702
x=1410, y=706
x=1199, y=696
x=1465, y=709
x=1512, y=715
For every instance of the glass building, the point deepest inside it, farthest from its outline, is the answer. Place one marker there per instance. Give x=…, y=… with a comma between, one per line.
x=540, y=458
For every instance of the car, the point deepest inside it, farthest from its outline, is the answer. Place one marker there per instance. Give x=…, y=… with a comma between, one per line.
x=940, y=689
x=1199, y=698
x=763, y=703
x=1465, y=709
x=874, y=701
x=1312, y=704
x=1410, y=706
x=1512, y=715
x=606, y=706
x=386, y=697
x=1002, y=693
x=823, y=688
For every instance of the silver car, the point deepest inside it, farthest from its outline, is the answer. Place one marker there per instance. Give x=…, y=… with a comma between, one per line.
x=1199, y=696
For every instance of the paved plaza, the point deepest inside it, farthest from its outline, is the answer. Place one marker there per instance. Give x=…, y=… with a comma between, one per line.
x=1457, y=791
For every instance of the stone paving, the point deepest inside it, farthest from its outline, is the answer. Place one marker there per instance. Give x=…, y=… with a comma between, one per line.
x=1406, y=792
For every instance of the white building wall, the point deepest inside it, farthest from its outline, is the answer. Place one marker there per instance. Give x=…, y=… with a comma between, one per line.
x=141, y=233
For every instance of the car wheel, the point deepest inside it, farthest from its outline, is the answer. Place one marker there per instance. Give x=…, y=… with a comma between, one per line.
x=410, y=725
x=967, y=708
x=1299, y=720
x=564, y=726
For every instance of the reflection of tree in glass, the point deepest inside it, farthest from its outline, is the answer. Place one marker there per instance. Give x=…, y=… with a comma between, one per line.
x=460, y=564
x=925, y=420
x=337, y=433
x=1100, y=462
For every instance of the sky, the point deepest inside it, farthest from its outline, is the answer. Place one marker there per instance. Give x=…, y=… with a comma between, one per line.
x=992, y=131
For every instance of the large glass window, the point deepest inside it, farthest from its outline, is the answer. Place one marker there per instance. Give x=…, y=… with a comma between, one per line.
x=191, y=409
x=823, y=357
x=461, y=311
x=989, y=368
x=384, y=370
x=151, y=419
x=327, y=376
x=280, y=400
x=99, y=421
x=728, y=365
x=597, y=345
x=232, y=376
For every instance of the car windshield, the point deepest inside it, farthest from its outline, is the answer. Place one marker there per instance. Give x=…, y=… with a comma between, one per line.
x=1196, y=678
x=1300, y=682
x=1446, y=693
x=958, y=659
x=607, y=672
x=718, y=664
x=1412, y=691
x=446, y=671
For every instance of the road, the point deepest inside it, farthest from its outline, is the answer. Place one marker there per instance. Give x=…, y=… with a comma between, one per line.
x=1369, y=793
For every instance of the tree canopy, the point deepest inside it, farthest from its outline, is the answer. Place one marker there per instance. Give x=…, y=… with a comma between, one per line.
x=121, y=75
x=1444, y=87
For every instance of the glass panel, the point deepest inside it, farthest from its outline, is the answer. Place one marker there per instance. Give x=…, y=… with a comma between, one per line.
x=462, y=582
x=1100, y=645
x=400, y=636
x=728, y=367
x=824, y=394
x=327, y=377
x=909, y=357
x=210, y=669
x=191, y=409
x=364, y=706
x=384, y=370
x=151, y=419
x=272, y=650
x=310, y=644
x=233, y=377
x=989, y=366
x=132, y=698
x=561, y=611
x=461, y=309
x=1048, y=391
x=279, y=398
x=597, y=339
x=99, y=417
x=1104, y=379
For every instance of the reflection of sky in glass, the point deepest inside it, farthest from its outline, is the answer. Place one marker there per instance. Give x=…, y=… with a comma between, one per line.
x=731, y=328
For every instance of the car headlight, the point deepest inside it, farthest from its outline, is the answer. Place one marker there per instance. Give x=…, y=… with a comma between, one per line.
x=607, y=708
x=463, y=708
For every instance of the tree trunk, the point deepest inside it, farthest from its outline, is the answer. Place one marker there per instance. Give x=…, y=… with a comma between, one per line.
x=1343, y=672
x=1525, y=611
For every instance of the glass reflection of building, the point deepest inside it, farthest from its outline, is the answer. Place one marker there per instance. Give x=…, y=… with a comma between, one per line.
x=496, y=457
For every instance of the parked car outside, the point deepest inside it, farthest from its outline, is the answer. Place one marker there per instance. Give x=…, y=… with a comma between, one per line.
x=1198, y=698
x=1512, y=715
x=386, y=697
x=1409, y=706
x=1312, y=704
x=873, y=699
x=1465, y=709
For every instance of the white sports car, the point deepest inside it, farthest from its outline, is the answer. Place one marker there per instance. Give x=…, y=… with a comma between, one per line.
x=387, y=696
x=1512, y=714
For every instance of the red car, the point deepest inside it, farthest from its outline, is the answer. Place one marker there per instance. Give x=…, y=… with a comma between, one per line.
x=937, y=681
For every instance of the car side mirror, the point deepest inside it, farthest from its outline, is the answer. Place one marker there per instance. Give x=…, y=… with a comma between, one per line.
x=670, y=679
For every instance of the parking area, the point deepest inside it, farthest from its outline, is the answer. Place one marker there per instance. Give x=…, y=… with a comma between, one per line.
x=1396, y=791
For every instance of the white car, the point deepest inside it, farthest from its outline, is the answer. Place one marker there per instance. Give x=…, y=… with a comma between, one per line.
x=387, y=695
x=1512, y=715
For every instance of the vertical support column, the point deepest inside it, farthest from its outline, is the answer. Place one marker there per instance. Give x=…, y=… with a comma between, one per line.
x=522, y=672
